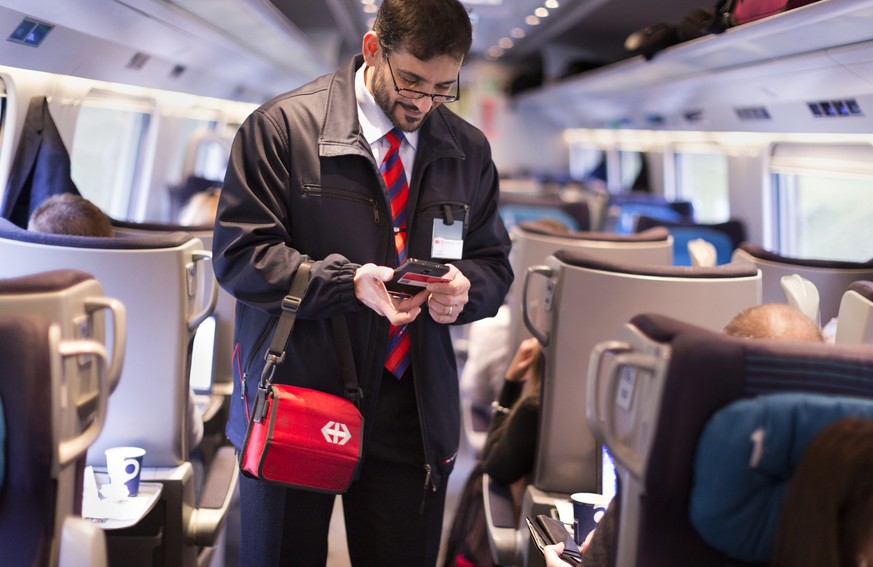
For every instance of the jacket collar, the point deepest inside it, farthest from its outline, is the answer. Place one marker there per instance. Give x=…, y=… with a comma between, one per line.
x=341, y=133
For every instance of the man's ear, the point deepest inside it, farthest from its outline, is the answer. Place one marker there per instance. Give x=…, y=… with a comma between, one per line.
x=371, y=48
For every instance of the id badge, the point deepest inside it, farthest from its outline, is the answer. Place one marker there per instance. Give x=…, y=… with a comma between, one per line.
x=448, y=240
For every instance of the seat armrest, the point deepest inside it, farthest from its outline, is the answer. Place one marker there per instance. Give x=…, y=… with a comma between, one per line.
x=500, y=518
x=208, y=518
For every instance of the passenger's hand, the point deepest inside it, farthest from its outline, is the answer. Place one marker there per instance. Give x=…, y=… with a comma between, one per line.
x=370, y=290
x=527, y=352
x=447, y=299
x=552, y=555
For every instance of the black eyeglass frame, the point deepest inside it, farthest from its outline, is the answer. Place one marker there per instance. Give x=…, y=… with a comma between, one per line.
x=418, y=95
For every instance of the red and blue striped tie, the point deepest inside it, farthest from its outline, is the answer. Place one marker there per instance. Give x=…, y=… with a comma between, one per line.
x=397, y=354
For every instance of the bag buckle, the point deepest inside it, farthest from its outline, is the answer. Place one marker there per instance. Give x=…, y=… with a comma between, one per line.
x=260, y=409
x=355, y=396
x=290, y=304
x=270, y=368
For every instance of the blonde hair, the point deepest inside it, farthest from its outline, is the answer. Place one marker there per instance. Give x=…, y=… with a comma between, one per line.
x=201, y=208
x=773, y=321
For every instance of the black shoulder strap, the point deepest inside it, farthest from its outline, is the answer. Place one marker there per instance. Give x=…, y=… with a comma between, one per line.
x=290, y=304
x=275, y=354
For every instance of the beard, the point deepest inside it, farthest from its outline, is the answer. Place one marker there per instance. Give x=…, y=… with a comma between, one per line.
x=382, y=94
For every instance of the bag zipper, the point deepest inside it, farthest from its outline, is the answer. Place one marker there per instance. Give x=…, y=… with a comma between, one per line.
x=319, y=191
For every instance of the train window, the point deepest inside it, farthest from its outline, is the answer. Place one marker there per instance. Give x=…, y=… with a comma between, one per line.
x=587, y=164
x=628, y=173
x=822, y=198
x=108, y=152
x=702, y=178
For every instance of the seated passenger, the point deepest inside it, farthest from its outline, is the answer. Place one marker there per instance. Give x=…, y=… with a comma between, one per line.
x=487, y=357
x=508, y=456
x=201, y=208
x=775, y=321
x=74, y=215
x=70, y=214
x=827, y=514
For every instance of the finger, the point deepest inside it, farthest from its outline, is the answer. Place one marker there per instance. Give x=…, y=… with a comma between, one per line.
x=403, y=317
x=407, y=303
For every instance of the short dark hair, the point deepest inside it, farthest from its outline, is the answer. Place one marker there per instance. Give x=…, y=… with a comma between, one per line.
x=69, y=214
x=425, y=28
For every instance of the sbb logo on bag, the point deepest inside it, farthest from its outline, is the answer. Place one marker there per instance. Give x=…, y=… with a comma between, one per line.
x=336, y=433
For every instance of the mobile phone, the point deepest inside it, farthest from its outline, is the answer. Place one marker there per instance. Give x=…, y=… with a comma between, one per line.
x=413, y=275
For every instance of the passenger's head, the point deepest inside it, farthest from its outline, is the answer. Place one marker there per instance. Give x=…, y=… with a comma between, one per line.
x=69, y=214
x=773, y=321
x=827, y=515
x=414, y=55
x=200, y=209
x=552, y=225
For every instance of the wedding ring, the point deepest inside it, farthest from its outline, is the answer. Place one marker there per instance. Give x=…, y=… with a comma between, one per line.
x=451, y=308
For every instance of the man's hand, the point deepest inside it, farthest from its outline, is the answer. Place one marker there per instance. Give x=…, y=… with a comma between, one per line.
x=370, y=290
x=447, y=299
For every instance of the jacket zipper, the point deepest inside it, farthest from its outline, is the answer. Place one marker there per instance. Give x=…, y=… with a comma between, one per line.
x=318, y=191
x=428, y=476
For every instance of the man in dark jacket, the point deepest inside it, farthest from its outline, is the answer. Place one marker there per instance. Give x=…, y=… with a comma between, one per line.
x=304, y=185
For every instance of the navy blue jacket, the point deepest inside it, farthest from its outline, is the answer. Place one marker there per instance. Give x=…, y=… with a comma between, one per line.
x=302, y=185
x=41, y=167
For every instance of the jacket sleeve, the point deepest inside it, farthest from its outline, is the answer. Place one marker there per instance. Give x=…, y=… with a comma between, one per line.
x=253, y=256
x=486, y=248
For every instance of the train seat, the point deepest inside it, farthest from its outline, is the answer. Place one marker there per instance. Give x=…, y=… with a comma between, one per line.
x=664, y=380
x=702, y=253
x=56, y=391
x=622, y=211
x=725, y=236
x=212, y=380
x=516, y=208
x=168, y=289
x=855, y=320
x=831, y=277
x=803, y=295
x=532, y=243
x=573, y=302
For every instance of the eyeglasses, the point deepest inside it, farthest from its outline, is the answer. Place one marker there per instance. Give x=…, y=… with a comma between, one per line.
x=414, y=94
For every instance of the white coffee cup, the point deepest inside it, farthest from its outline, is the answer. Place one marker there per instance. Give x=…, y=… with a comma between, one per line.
x=124, y=465
x=588, y=508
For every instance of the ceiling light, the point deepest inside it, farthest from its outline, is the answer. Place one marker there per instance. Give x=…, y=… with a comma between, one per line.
x=551, y=4
x=517, y=33
x=494, y=52
x=541, y=12
x=505, y=43
x=370, y=8
x=532, y=20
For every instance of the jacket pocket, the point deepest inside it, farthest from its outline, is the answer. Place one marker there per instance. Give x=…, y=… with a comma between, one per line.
x=449, y=212
x=317, y=191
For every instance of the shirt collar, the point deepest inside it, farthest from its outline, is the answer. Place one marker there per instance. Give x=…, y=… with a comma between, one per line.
x=374, y=123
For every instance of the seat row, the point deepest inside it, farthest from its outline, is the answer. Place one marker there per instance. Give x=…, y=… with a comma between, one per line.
x=575, y=294
x=158, y=285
